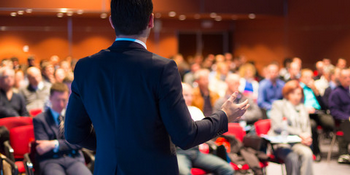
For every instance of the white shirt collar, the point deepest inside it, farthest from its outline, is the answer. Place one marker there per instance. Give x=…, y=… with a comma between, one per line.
x=132, y=40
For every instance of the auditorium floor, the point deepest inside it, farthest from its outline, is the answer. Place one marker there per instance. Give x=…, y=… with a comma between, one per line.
x=320, y=168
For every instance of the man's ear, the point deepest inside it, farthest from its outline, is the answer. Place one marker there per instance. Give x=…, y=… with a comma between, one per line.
x=151, y=21
x=110, y=21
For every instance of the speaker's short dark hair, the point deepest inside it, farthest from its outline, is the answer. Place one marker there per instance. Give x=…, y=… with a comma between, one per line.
x=58, y=87
x=130, y=17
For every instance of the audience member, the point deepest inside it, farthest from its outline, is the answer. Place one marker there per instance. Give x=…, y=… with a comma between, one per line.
x=339, y=102
x=248, y=84
x=333, y=83
x=37, y=92
x=341, y=63
x=182, y=65
x=315, y=106
x=327, y=63
x=66, y=66
x=55, y=154
x=189, y=77
x=193, y=157
x=15, y=63
x=19, y=80
x=217, y=80
x=297, y=157
x=293, y=72
x=54, y=59
x=59, y=75
x=47, y=72
x=270, y=89
x=319, y=70
x=208, y=62
x=253, y=113
x=31, y=61
x=322, y=83
x=203, y=98
x=11, y=103
x=284, y=70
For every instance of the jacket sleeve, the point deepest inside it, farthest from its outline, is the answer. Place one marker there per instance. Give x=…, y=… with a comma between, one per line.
x=183, y=131
x=335, y=107
x=78, y=126
x=262, y=97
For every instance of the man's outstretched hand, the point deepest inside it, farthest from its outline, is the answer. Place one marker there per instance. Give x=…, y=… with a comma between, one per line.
x=233, y=110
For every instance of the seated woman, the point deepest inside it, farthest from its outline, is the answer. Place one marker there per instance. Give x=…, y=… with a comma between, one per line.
x=298, y=156
x=248, y=85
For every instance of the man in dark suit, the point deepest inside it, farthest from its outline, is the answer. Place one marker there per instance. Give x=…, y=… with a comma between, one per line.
x=55, y=154
x=133, y=99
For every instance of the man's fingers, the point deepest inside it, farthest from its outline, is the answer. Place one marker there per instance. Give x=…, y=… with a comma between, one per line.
x=233, y=96
x=243, y=104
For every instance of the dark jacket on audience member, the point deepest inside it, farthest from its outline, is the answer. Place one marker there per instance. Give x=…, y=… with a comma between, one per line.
x=134, y=100
x=13, y=107
x=339, y=103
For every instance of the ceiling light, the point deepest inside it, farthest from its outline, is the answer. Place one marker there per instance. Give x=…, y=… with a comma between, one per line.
x=158, y=15
x=252, y=16
x=13, y=14
x=218, y=18
x=70, y=13
x=197, y=16
x=20, y=12
x=80, y=12
x=25, y=48
x=3, y=28
x=103, y=15
x=172, y=14
x=182, y=17
x=213, y=15
x=29, y=10
x=60, y=15
x=63, y=10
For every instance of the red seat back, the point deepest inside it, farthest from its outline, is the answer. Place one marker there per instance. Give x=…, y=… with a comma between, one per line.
x=236, y=130
x=20, y=137
x=11, y=122
x=262, y=126
x=35, y=112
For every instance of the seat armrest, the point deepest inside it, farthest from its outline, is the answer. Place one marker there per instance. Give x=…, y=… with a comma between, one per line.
x=9, y=151
x=28, y=165
x=89, y=159
x=14, y=167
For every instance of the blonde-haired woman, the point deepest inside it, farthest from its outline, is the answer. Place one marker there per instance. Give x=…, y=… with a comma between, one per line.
x=249, y=86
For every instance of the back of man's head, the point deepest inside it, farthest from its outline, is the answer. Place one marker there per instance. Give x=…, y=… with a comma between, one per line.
x=130, y=17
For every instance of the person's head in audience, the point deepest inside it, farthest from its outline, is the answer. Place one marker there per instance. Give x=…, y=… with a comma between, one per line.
x=7, y=78
x=19, y=79
x=328, y=72
x=187, y=92
x=31, y=61
x=125, y=15
x=34, y=77
x=233, y=82
x=294, y=70
x=272, y=72
x=320, y=67
x=327, y=62
x=208, y=62
x=345, y=78
x=198, y=59
x=307, y=77
x=219, y=58
x=222, y=70
x=73, y=63
x=293, y=92
x=7, y=63
x=15, y=62
x=195, y=67
x=68, y=81
x=341, y=63
x=286, y=62
x=59, y=75
x=228, y=57
x=54, y=59
x=202, y=78
x=47, y=70
x=336, y=76
x=65, y=65
x=298, y=61
x=247, y=71
x=59, y=96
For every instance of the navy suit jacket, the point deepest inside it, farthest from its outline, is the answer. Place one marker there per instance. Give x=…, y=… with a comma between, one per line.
x=133, y=98
x=45, y=128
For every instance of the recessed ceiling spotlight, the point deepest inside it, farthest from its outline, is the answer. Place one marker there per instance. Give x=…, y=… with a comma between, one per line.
x=63, y=10
x=172, y=14
x=103, y=15
x=25, y=48
x=252, y=16
x=80, y=12
x=182, y=17
x=234, y=17
x=3, y=28
x=60, y=15
x=13, y=14
x=70, y=13
x=29, y=10
x=197, y=16
x=213, y=15
x=20, y=12
x=218, y=18
x=158, y=15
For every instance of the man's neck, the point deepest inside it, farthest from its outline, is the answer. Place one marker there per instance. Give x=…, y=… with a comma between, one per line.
x=138, y=37
x=8, y=92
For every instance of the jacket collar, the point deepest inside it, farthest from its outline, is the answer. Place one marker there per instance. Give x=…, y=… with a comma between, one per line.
x=119, y=46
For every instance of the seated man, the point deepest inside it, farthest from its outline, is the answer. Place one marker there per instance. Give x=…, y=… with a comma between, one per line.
x=55, y=154
x=203, y=98
x=193, y=157
x=37, y=92
x=270, y=89
x=11, y=104
x=339, y=103
x=253, y=113
x=316, y=109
